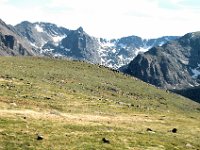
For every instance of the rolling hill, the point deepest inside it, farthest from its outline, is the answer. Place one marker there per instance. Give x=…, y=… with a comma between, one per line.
x=61, y=104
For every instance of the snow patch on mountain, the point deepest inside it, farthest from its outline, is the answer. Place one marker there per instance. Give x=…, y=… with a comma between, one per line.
x=141, y=50
x=161, y=43
x=39, y=28
x=57, y=39
x=33, y=44
x=196, y=71
x=116, y=53
x=122, y=45
x=51, y=39
x=105, y=44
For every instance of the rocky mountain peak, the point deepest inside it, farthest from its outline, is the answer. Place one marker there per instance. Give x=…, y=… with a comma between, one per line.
x=80, y=29
x=49, y=39
x=79, y=45
x=2, y=22
x=176, y=64
x=40, y=33
x=12, y=42
x=191, y=35
x=25, y=23
x=190, y=39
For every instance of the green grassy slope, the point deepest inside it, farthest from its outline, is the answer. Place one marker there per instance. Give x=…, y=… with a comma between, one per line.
x=73, y=105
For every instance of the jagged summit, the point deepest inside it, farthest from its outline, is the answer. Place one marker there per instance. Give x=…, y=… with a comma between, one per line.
x=2, y=22
x=12, y=42
x=80, y=29
x=49, y=39
x=173, y=65
x=25, y=23
x=41, y=33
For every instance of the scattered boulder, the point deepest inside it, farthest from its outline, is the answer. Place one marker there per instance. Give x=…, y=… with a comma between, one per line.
x=47, y=98
x=55, y=112
x=174, y=130
x=39, y=137
x=148, y=129
x=105, y=141
x=13, y=104
x=120, y=103
x=189, y=145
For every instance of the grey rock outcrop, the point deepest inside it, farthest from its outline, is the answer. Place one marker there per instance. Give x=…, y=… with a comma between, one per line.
x=12, y=42
x=79, y=45
x=174, y=65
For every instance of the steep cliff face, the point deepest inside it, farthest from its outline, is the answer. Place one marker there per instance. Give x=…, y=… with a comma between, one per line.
x=12, y=42
x=79, y=45
x=173, y=65
x=10, y=46
x=40, y=33
x=56, y=41
x=49, y=39
x=119, y=52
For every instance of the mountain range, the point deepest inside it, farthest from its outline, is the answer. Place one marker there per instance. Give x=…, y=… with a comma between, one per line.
x=169, y=62
x=50, y=40
x=48, y=103
x=174, y=65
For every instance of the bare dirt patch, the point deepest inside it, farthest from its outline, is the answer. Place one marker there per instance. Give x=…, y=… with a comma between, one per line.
x=49, y=115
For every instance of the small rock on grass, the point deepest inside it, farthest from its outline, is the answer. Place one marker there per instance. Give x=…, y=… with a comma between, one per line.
x=13, y=104
x=39, y=137
x=148, y=129
x=105, y=140
x=189, y=145
x=174, y=130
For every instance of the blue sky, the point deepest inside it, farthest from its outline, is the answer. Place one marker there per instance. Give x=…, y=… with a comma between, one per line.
x=109, y=18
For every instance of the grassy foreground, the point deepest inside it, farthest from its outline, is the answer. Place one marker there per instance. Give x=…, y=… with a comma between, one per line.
x=59, y=104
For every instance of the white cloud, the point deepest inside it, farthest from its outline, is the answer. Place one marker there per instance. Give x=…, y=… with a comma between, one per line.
x=3, y=1
x=110, y=18
x=175, y=1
